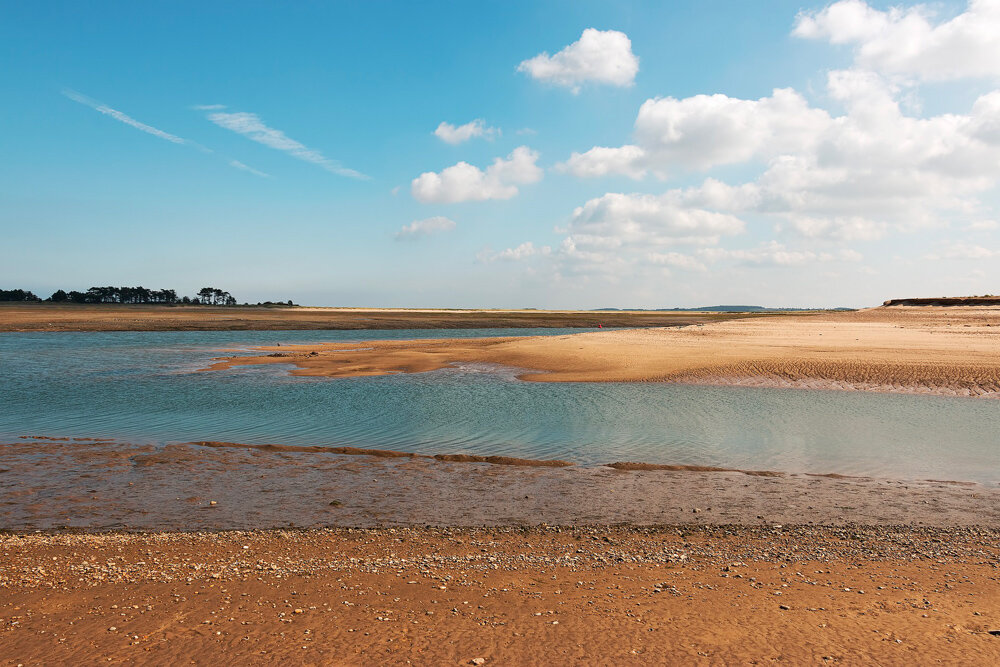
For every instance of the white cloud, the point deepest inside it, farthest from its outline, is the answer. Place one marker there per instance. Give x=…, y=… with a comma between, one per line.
x=521, y=252
x=239, y=165
x=773, y=253
x=599, y=56
x=149, y=129
x=615, y=219
x=963, y=251
x=122, y=117
x=908, y=42
x=705, y=131
x=857, y=176
x=208, y=107
x=465, y=182
x=602, y=161
x=982, y=226
x=252, y=127
x=676, y=260
x=425, y=227
x=453, y=135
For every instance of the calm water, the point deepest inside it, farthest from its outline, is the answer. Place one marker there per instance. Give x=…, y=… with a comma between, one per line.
x=141, y=387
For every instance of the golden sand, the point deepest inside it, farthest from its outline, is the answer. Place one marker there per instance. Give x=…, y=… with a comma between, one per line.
x=953, y=350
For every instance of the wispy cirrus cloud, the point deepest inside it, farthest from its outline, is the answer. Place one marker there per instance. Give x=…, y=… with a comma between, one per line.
x=123, y=117
x=252, y=127
x=244, y=167
x=156, y=132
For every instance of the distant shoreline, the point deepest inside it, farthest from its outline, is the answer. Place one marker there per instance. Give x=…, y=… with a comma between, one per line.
x=38, y=317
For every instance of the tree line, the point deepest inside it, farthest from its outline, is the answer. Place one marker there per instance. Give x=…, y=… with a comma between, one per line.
x=206, y=296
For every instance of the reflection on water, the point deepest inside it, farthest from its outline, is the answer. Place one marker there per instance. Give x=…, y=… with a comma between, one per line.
x=140, y=387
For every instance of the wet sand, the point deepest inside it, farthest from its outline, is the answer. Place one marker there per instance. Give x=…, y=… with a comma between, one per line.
x=111, y=317
x=101, y=486
x=933, y=350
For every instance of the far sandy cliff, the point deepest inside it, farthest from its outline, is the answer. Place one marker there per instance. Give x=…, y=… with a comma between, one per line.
x=929, y=349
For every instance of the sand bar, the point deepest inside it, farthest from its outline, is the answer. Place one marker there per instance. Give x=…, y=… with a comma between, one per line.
x=935, y=350
x=111, y=317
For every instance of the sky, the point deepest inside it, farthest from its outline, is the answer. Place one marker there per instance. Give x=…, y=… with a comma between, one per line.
x=506, y=154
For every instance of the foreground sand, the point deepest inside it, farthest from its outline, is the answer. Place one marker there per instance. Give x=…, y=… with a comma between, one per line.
x=111, y=317
x=604, y=596
x=711, y=567
x=953, y=350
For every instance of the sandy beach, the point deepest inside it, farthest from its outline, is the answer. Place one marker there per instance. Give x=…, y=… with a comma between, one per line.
x=937, y=350
x=128, y=552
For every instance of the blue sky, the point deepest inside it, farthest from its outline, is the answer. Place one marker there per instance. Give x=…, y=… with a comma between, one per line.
x=276, y=150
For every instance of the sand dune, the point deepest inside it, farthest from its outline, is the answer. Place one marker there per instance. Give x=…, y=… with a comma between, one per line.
x=925, y=349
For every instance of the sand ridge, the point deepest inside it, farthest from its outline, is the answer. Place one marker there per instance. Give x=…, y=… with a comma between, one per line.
x=953, y=350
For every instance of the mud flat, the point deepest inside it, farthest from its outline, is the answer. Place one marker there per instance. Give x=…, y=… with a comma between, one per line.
x=934, y=350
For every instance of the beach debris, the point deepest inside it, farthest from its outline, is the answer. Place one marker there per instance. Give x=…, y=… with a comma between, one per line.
x=478, y=661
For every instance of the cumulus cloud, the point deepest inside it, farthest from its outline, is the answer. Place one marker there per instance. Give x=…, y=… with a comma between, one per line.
x=599, y=56
x=252, y=127
x=425, y=227
x=602, y=161
x=615, y=219
x=857, y=176
x=705, y=131
x=908, y=42
x=465, y=182
x=453, y=135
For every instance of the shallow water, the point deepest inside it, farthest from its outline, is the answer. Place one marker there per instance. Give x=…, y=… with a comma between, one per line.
x=142, y=387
